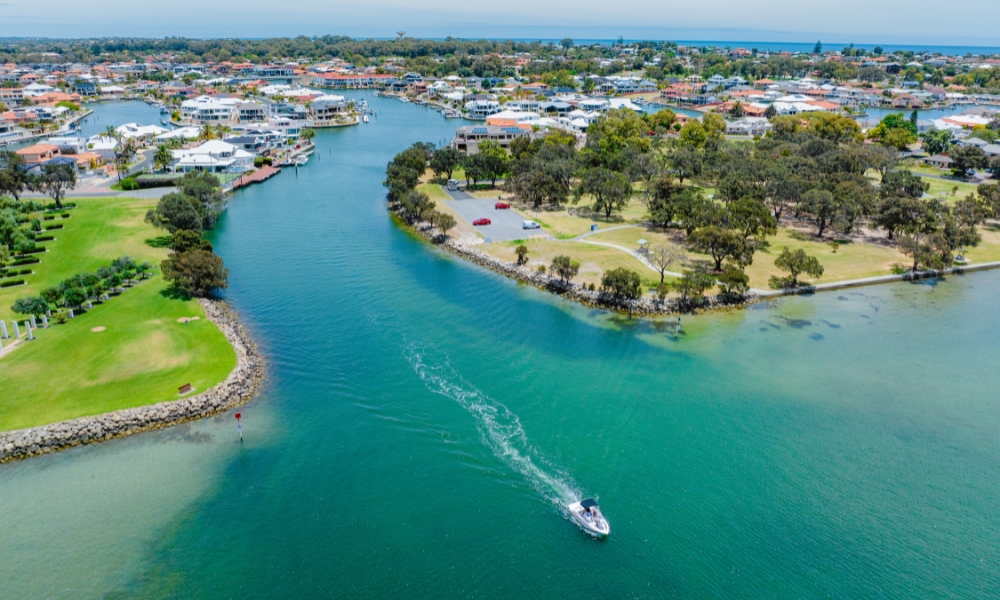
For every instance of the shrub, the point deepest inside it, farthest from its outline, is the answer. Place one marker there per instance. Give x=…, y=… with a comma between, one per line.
x=258, y=161
x=56, y=226
x=44, y=238
x=129, y=184
x=25, y=261
x=12, y=283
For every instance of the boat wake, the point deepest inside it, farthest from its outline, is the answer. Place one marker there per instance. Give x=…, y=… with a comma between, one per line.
x=499, y=428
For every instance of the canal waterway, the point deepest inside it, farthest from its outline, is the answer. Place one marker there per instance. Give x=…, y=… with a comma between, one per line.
x=424, y=421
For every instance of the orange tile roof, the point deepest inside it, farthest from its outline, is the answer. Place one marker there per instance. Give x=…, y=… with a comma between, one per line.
x=37, y=149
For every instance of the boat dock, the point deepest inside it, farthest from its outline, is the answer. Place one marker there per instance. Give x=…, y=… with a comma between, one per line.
x=262, y=174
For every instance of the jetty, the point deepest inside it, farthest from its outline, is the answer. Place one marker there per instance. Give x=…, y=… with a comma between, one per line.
x=262, y=174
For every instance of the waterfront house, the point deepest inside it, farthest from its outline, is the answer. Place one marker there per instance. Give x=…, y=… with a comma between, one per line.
x=182, y=133
x=134, y=131
x=69, y=145
x=352, y=80
x=290, y=111
x=214, y=156
x=468, y=138
x=328, y=108
x=253, y=143
x=206, y=110
x=111, y=92
x=479, y=109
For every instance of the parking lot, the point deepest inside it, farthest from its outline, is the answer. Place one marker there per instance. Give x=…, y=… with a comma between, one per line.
x=506, y=224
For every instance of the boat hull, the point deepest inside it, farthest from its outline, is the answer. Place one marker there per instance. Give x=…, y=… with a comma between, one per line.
x=594, y=528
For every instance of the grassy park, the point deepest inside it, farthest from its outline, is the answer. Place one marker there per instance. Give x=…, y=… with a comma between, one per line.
x=127, y=352
x=848, y=259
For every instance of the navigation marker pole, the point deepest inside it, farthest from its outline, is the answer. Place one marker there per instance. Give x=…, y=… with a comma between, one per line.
x=239, y=427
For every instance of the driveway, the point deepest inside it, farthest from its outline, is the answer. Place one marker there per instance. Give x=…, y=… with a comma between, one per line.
x=506, y=225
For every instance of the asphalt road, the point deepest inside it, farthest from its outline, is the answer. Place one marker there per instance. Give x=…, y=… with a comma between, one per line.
x=506, y=224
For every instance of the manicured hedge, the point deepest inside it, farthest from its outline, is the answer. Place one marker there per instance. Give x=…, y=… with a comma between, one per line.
x=12, y=283
x=37, y=250
x=25, y=261
x=56, y=226
x=44, y=238
x=15, y=272
x=153, y=181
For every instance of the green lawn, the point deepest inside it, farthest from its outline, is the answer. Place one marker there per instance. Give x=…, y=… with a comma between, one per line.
x=98, y=231
x=143, y=355
x=594, y=260
x=942, y=188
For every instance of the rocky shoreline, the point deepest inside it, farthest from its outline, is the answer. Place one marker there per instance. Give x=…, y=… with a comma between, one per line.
x=238, y=388
x=644, y=306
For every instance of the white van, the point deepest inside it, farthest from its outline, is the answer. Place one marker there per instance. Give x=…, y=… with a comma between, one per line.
x=530, y=225
x=452, y=184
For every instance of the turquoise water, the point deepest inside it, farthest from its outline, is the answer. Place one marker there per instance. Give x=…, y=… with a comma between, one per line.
x=424, y=420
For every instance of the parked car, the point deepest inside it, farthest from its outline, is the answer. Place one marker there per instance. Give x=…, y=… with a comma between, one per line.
x=479, y=222
x=530, y=225
x=501, y=205
x=452, y=184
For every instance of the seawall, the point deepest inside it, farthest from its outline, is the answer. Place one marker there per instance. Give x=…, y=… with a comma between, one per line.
x=576, y=291
x=238, y=388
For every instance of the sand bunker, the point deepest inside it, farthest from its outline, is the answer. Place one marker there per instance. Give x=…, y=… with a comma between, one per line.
x=98, y=329
x=183, y=319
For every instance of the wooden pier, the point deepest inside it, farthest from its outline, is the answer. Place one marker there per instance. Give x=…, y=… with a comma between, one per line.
x=262, y=174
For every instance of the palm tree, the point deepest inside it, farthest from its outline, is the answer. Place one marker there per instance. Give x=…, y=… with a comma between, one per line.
x=222, y=130
x=124, y=153
x=307, y=134
x=163, y=156
x=206, y=133
x=111, y=133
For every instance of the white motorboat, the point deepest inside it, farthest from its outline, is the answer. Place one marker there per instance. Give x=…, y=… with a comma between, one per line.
x=588, y=515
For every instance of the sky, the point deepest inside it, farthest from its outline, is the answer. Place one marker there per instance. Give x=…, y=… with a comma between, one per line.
x=929, y=22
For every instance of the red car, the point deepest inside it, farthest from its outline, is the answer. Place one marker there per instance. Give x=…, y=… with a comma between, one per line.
x=478, y=222
x=501, y=205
